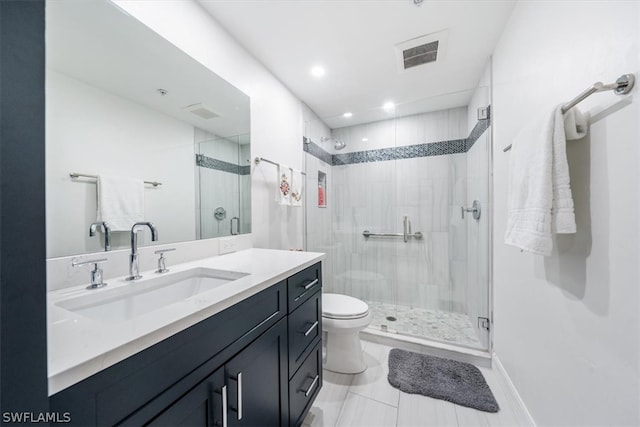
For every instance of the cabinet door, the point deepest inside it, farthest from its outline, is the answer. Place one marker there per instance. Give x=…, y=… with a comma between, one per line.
x=201, y=407
x=257, y=381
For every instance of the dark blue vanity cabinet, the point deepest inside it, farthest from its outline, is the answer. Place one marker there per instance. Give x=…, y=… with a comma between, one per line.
x=258, y=363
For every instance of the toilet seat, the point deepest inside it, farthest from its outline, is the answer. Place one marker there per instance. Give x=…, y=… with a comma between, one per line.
x=336, y=306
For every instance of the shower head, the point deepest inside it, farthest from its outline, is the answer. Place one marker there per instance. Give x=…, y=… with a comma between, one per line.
x=338, y=144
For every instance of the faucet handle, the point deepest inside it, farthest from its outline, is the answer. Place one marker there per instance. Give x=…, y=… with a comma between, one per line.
x=76, y=263
x=162, y=268
x=96, y=273
x=161, y=251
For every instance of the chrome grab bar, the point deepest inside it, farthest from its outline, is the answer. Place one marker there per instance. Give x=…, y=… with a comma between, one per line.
x=417, y=235
x=406, y=232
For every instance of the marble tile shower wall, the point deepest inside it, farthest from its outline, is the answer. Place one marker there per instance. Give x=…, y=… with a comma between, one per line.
x=428, y=273
x=318, y=220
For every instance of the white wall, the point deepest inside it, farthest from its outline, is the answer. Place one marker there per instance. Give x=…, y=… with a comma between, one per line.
x=136, y=141
x=276, y=116
x=567, y=326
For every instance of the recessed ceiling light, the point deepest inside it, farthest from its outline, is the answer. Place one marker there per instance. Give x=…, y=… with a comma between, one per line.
x=365, y=139
x=347, y=115
x=317, y=71
x=389, y=106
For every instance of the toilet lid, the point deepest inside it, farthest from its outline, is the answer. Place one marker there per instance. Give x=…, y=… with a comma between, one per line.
x=338, y=306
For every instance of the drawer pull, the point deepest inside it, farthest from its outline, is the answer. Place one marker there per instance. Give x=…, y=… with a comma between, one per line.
x=310, y=389
x=310, y=284
x=238, y=379
x=315, y=325
x=224, y=406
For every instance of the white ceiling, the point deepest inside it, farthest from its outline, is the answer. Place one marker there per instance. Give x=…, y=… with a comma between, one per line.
x=354, y=40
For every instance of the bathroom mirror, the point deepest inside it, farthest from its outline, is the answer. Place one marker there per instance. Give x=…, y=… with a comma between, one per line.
x=122, y=100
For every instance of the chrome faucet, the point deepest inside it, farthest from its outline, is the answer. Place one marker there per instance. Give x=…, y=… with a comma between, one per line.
x=107, y=233
x=133, y=258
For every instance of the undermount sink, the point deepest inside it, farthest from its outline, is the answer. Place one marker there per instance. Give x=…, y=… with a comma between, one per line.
x=137, y=298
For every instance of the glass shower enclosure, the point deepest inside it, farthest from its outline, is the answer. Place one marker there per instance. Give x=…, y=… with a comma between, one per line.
x=224, y=184
x=399, y=225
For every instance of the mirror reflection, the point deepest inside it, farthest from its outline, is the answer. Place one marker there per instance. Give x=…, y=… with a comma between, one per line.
x=128, y=105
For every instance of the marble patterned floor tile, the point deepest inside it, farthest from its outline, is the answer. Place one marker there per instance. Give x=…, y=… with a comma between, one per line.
x=418, y=410
x=328, y=404
x=359, y=411
x=373, y=382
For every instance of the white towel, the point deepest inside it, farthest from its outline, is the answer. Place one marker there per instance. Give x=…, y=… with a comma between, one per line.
x=283, y=185
x=297, y=187
x=539, y=197
x=120, y=201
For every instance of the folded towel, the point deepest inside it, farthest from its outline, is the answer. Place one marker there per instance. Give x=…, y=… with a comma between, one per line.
x=297, y=187
x=120, y=201
x=283, y=189
x=539, y=197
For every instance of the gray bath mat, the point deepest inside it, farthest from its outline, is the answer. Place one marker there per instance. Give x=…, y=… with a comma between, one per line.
x=456, y=382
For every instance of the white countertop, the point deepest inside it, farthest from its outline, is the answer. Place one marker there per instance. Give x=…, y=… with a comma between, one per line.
x=79, y=347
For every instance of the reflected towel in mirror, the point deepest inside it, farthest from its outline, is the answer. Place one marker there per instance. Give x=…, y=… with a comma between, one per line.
x=120, y=201
x=297, y=187
x=283, y=185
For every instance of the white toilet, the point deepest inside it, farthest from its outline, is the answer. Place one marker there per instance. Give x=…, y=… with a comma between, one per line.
x=343, y=317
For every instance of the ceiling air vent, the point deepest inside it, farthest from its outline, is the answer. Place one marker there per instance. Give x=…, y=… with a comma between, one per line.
x=419, y=55
x=421, y=50
x=202, y=111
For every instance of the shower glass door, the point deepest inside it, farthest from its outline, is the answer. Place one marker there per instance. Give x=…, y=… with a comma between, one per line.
x=364, y=183
x=425, y=165
x=224, y=185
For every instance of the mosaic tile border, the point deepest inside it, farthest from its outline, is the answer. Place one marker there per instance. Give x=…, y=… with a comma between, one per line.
x=405, y=152
x=454, y=146
x=211, y=163
x=316, y=151
x=479, y=129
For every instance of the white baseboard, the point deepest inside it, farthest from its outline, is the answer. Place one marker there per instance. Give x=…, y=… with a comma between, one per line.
x=497, y=365
x=461, y=354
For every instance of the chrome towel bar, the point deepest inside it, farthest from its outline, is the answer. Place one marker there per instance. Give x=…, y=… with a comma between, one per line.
x=75, y=175
x=257, y=161
x=622, y=86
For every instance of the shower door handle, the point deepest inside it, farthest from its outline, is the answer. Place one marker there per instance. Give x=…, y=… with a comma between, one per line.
x=475, y=210
x=405, y=232
x=237, y=225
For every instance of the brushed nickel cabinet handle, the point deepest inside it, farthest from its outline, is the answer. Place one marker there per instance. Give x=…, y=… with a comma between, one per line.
x=311, y=328
x=310, y=389
x=310, y=284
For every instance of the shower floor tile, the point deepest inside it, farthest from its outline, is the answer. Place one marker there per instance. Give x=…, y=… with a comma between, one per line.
x=419, y=322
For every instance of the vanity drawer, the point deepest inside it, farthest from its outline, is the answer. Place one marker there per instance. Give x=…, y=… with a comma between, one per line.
x=305, y=385
x=304, y=284
x=305, y=326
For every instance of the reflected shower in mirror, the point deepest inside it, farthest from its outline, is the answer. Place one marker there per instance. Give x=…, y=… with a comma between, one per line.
x=129, y=103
